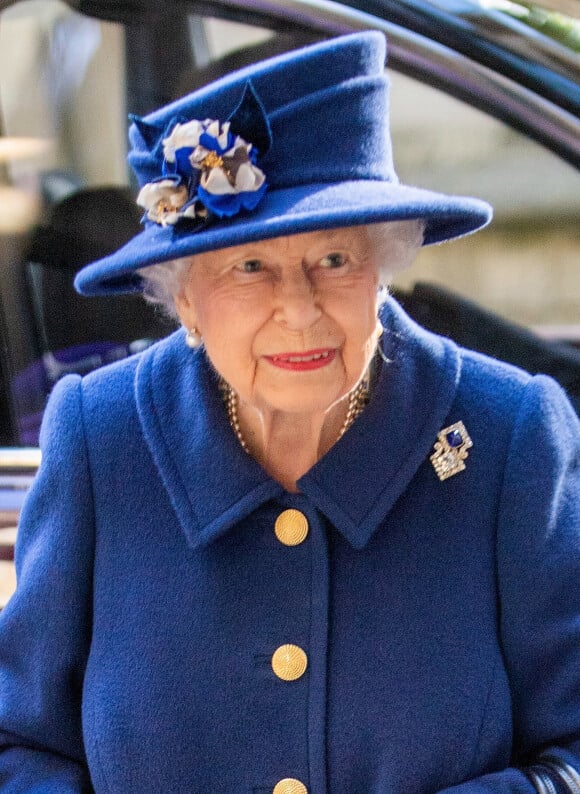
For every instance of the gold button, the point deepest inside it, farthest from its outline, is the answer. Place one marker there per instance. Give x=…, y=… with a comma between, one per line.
x=290, y=786
x=289, y=662
x=291, y=527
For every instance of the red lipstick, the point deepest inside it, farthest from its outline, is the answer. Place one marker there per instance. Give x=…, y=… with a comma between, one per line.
x=303, y=361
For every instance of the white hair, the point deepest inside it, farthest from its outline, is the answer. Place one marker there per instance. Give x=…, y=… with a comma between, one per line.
x=162, y=282
x=395, y=245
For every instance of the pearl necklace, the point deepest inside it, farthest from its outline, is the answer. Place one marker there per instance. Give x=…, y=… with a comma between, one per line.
x=357, y=402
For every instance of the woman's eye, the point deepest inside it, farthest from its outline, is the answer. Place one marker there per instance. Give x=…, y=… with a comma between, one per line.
x=251, y=266
x=333, y=260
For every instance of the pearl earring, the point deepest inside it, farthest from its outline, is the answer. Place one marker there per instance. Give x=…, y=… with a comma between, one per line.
x=193, y=338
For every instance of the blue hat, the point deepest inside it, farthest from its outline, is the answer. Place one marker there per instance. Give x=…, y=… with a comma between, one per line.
x=293, y=144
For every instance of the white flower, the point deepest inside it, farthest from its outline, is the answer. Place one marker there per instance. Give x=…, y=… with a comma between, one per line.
x=182, y=136
x=220, y=133
x=221, y=167
x=247, y=179
x=230, y=173
x=163, y=201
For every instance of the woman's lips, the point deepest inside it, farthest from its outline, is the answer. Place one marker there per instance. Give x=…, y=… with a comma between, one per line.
x=306, y=360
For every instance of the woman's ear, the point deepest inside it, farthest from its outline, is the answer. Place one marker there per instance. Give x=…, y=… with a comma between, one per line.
x=186, y=314
x=185, y=310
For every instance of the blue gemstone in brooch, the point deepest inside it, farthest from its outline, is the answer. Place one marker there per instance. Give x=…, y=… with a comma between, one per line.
x=450, y=450
x=454, y=438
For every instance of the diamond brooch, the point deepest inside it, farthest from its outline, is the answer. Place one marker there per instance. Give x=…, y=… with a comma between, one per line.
x=450, y=450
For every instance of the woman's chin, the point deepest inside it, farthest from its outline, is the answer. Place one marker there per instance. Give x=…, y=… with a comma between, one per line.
x=302, y=401
x=306, y=392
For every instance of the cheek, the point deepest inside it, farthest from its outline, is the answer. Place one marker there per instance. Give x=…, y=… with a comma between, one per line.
x=222, y=332
x=360, y=315
x=216, y=315
x=229, y=330
x=360, y=331
x=231, y=310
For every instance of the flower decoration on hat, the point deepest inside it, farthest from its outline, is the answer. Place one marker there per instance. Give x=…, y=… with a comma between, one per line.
x=209, y=170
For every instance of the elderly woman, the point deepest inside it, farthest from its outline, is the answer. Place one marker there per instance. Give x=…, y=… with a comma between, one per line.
x=292, y=548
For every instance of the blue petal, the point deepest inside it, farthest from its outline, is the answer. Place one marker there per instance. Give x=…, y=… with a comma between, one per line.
x=168, y=169
x=211, y=143
x=171, y=177
x=224, y=206
x=182, y=160
x=228, y=205
x=251, y=199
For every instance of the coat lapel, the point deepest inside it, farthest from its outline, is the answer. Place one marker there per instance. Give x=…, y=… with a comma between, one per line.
x=357, y=483
x=213, y=483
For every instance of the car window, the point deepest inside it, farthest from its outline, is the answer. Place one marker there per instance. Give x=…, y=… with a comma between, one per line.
x=525, y=264
x=68, y=83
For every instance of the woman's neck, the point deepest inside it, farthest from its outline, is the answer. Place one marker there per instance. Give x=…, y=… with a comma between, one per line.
x=288, y=445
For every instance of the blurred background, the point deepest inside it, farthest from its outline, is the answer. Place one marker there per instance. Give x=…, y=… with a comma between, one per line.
x=63, y=83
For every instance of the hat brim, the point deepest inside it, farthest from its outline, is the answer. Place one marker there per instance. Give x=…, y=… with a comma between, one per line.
x=283, y=212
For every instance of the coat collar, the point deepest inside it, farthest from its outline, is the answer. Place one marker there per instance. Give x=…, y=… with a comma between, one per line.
x=213, y=483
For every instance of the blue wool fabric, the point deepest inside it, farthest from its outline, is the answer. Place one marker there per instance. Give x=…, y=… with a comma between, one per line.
x=328, y=161
x=441, y=620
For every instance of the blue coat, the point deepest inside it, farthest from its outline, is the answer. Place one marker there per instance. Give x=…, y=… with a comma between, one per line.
x=440, y=620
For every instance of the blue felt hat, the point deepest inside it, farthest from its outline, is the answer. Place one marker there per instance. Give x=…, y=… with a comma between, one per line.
x=293, y=144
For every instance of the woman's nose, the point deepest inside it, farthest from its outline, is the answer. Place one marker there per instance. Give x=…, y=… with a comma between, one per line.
x=297, y=306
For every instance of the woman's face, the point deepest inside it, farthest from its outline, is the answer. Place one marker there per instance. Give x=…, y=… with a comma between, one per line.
x=289, y=323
